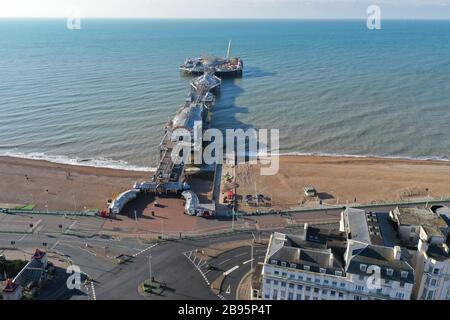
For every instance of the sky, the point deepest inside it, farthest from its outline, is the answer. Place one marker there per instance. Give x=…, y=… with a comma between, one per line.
x=279, y=9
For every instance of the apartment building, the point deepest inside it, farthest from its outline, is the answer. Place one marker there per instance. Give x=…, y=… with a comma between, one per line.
x=322, y=264
x=426, y=233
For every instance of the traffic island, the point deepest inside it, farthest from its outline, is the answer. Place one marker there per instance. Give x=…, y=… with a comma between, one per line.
x=151, y=286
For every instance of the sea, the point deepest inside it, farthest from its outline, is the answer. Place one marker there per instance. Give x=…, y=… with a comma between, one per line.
x=101, y=95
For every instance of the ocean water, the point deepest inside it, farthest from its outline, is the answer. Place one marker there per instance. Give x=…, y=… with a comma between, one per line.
x=101, y=95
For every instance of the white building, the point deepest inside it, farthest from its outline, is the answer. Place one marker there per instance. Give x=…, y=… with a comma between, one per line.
x=321, y=264
x=426, y=234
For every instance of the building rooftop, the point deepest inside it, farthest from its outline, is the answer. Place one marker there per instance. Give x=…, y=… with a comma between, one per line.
x=384, y=258
x=318, y=251
x=432, y=223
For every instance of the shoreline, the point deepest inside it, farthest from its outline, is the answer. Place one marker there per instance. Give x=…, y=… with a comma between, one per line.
x=125, y=167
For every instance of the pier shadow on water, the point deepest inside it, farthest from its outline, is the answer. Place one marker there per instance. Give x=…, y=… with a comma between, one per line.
x=255, y=72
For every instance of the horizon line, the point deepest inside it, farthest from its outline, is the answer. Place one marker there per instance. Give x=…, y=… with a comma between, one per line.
x=222, y=18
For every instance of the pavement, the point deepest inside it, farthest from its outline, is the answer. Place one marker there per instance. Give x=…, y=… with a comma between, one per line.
x=79, y=241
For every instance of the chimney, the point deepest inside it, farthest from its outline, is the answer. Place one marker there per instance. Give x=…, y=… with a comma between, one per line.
x=331, y=259
x=305, y=233
x=397, y=252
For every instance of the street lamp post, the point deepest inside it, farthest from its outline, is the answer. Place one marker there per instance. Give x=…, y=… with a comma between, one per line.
x=150, y=267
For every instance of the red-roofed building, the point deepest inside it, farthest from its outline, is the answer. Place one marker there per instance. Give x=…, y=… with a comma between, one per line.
x=40, y=256
x=12, y=291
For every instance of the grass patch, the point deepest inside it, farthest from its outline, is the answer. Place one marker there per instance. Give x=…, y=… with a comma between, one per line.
x=28, y=207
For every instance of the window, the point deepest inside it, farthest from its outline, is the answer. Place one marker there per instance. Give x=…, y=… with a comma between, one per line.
x=361, y=277
x=267, y=296
x=299, y=297
x=276, y=273
x=300, y=278
x=334, y=283
x=341, y=295
x=268, y=281
x=306, y=268
x=404, y=274
x=400, y=295
x=292, y=276
x=274, y=261
x=291, y=286
x=326, y=281
x=306, y=297
x=433, y=282
x=284, y=274
x=283, y=264
x=436, y=271
x=290, y=296
x=390, y=272
x=359, y=288
x=299, y=287
x=283, y=284
x=275, y=295
x=316, y=290
x=317, y=280
x=324, y=291
x=308, y=289
x=338, y=273
x=357, y=298
x=342, y=285
x=308, y=279
x=332, y=292
x=282, y=294
x=363, y=267
x=430, y=295
x=322, y=270
x=275, y=282
x=293, y=265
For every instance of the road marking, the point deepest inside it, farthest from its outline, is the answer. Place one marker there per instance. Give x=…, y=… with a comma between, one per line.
x=221, y=297
x=228, y=291
x=93, y=291
x=241, y=254
x=23, y=237
x=245, y=262
x=230, y=270
x=224, y=261
x=54, y=246
x=144, y=250
x=197, y=267
x=70, y=227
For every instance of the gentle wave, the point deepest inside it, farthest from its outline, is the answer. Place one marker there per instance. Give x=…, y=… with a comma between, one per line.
x=95, y=163
x=333, y=155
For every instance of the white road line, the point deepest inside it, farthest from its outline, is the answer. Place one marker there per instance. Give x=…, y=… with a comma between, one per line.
x=23, y=237
x=54, y=246
x=93, y=291
x=241, y=254
x=224, y=261
x=245, y=262
x=221, y=297
x=144, y=250
x=71, y=226
x=230, y=270
x=197, y=267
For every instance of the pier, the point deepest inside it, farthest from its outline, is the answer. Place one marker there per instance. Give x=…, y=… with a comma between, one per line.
x=170, y=175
